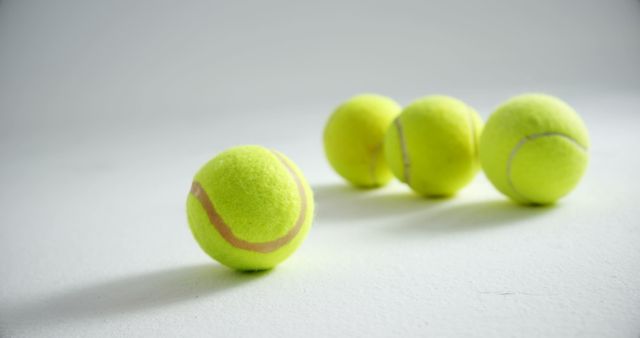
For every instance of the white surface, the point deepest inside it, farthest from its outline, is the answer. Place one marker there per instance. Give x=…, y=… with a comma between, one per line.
x=109, y=109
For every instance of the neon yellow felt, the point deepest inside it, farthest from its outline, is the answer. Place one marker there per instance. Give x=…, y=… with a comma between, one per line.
x=353, y=139
x=432, y=146
x=257, y=197
x=534, y=149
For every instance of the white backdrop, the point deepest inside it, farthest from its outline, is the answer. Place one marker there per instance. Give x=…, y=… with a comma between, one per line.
x=107, y=109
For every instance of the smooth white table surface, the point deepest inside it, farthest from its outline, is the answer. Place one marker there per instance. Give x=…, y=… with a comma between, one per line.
x=95, y=242
x=108, y=109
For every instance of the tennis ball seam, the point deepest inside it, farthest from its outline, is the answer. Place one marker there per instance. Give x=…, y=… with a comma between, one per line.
x=225, y=231
x=372, y=166
x=521, y=143
x=406, y=162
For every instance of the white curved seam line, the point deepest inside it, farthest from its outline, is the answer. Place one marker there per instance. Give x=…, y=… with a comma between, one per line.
x=521, y=143
x=403, y=149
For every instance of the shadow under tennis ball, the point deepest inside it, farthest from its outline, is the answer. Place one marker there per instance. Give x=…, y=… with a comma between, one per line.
x=132, y=293
x=341, y=202
x=473, y=216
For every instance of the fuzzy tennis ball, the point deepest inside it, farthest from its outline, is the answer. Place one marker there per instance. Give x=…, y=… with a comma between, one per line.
x=250, y=208
x=432, y=145
x=534, y=149
x=353, y=139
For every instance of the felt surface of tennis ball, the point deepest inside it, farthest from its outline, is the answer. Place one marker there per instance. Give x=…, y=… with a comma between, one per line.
x=534, y=149
x=250, y=207
x=432, y=145
x=354, y=136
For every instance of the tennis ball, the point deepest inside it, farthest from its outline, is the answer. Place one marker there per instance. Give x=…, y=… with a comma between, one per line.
x=353, y=139
x=250, y=208
x=534, y=149
x=432, y=145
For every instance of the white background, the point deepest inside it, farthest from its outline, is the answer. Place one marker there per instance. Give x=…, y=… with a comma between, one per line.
x=107, y=109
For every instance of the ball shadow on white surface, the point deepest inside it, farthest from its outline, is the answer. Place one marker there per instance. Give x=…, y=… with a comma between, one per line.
x=406, y=212
x=470, y=216
x=130, y=294
x=342, y=202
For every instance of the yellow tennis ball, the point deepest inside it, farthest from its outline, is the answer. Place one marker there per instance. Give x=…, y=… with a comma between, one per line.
x=353, y=139
x=250, y=208
x=432, y=145
x=534, y=149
